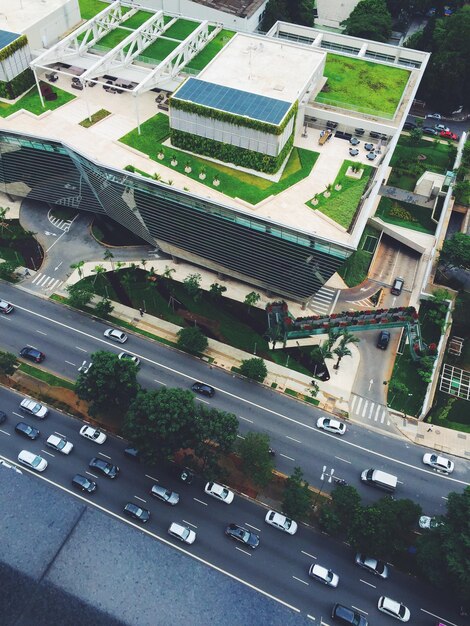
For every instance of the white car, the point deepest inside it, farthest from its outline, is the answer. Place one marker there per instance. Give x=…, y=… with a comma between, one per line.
x=5, y=307
x=442, y=127
x=394, y=609
x=439, y=463
x=115, y=335
x=323, y=575
x=426, y=522
x=33, y=461
x=125, y=356
x=220, y=492
x=434, y=116
x=8, y=466
x=183, y=533
x=34, y=408
x=332, y=426
x=281, y=522
x=93, y=434
x=60, y=444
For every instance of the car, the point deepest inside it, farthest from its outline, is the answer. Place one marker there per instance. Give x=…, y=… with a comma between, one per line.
x=8, y=466
x=345, y=615
x=93, y=434
x=397, y=286
x=220, y=492
x=203, y=389
x=34, y=408
x=447, y=134
x=410, y=125
x=331, y=425
x=33, y=354
x=137, y=512
x=234, y=531
x=427, y=522
x=428, y=130
x=183, y=533
x=60, y=444
x=104, y=467
x=353, y=152
x=442, y=127
x=434, y=116
x=394, y=609
x=3, y=416
x=5, y=307
x=371, y=156
x=439, y=463
x=378, y=568
x=323, y=575
x=115, y=335
x=126, y=356
x=281, y=522
x=354, y=141
x=82, y=483
x=22, y=428
x=383, y=339
x=368, y=146
x=164, y=494
x=33, y=461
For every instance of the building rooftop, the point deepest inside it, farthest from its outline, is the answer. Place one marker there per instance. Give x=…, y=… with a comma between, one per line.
x=25, y=13
x=6, y=38
x=267, y=67
x=241, y=8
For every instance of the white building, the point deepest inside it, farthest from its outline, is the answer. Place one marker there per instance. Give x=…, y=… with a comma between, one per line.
x=332, y=12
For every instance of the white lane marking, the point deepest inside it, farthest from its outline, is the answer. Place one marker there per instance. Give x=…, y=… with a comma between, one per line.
x=441, y=619
x=49, y=453
x=286, y=457
x=189, y=524
x=344, y=460
x=244, y=551
x=201, y=400
x=200, y=501
x=41, y=333
x=70, y=363
x=56, y=240
x=240, y=437
x=245, y=419
x=254, y=527
x=300, y=580
x=359, y=405
x=105, y=455
x=89, y=474
x=366, y=583
x=358, y=609
x=377, y=412
x=60, y=434
x=81, y=349
x=444, y=497
x=365, y=408
x=254, y=404
x=18, y=414
x=310, y=555
x=159, y=382
x=5, y=432
x=314, y=619
x=151, y=478
x=292, y=439
x=141, y=499
x=353, y=403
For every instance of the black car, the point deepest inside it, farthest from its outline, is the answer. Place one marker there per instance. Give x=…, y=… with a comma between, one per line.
x=33, y=354
x=107, y=469
x=137, y=512
x=84, y=484
x=345, y=615
x=243, y=535
x=22, y=428
x=410, y=125
x=202, y=388
x=428, y=130
x=3, y=417
x=383, y=340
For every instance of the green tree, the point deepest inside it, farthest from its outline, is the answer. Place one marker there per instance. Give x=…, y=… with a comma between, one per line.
x=297, y=496
x=321, y=352
x=425, y=368
x=342, y=349
x=79, y=295
x=276, y=10
x=98, y=270
x=369, y=20
x=79, y=267
x=257, y=461
x=254, y=368
x=191, y=339
x=396, y=388
x=192, y=284
x=416, y=134
x=252, y=298
x=336, y=517
x=216, y=290
x=216, y=434
x=104, y=308
x=110, y=384
x=109, y=256
x=8, y=362
x=456, y=251
x=6, y=270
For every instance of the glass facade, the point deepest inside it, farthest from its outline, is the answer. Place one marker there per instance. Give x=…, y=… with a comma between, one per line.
x=277, y=258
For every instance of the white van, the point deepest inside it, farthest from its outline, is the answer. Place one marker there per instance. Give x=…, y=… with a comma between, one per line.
x=379, y=479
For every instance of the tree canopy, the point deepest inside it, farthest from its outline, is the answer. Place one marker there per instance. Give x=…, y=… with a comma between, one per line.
x=370, y=19
x=254, y=368
x=297, y=496
x=8, y=363
x=295, y=11
x=456, y=251
x=256, y=458
x=192, y=340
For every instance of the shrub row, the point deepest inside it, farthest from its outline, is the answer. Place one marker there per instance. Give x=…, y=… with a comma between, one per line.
x=14, y=88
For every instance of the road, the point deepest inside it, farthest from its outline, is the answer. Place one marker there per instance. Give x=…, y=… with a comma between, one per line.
x=278, y=567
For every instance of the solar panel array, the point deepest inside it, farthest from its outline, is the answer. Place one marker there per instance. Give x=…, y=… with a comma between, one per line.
x=6, y=38
x=235, y=101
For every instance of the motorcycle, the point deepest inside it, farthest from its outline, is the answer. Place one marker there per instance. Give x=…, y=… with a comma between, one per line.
x=340, y=481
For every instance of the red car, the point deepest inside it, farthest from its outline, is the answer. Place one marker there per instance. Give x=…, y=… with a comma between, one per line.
x=448, y=135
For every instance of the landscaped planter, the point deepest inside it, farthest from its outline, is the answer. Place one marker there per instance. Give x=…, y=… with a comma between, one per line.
x=202, y=176
x=174, y=162
x=161, y=156
x=188, y=169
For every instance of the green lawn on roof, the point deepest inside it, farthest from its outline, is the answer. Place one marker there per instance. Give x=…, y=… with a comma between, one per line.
x=31, y=102
x=138, y=19
x=90, y=8
x=160, y=49
x=211, y=50
x=114, y=37
x=359, y=85
x=406, y=215
x=181, y=29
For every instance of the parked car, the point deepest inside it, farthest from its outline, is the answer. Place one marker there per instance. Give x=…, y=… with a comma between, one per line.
x=60, y=444
x=397, y=286
x=93, y=434
x=103, y=467
x=125, y=356
x=410, y=125
x=383, y=339
x=447, y=134
x=165, y=495
x=9, y=466
x=378, y=568
x=345, y=615
x=34, y=408
x=5, y=307
x=442, y=127
x=137, y=512
x=219, y=492
x=24, y=429
x=183, y=533
x=438, y=462
x=115, y=335
x=203, y=389
x=394, y=609
x=234, y=531
x=32, y=354
x=84, y=484
x=33, y=461
x=427, y=130
x=323, y=575
x=434, y=116
x=331, y=425
x=281, y=522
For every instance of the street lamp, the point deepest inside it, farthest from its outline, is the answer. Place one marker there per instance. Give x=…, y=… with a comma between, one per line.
x=324, y=476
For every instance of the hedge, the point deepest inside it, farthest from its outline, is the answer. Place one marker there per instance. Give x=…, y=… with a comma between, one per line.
x=7, y=51
x=14, y=88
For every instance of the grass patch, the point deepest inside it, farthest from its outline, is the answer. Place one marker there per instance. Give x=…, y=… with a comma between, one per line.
x=458, y=417
x=342, y=205
x=233, y=183
x=160, y=49
x=11, y=256
x=181, y=29
x=113, y=38
x=406, y=372
x=95, y=118
x=360, y=85
x=211, y=50
x=31, y=102
x=355, y=269
x=46, y=377
x=439, y=156
x=406, y=215
x=137, y=20
x=90, y=8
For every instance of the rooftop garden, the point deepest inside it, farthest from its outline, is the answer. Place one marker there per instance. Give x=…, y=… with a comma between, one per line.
x=229, y=181
x=31, y=102
x=181, y=29
x=406, y=215
x=213, y=48
x=363, y=86
x=340, y=199
x=90, y=8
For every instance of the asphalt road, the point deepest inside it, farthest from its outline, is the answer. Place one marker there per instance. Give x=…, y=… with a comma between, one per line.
x=279, y=566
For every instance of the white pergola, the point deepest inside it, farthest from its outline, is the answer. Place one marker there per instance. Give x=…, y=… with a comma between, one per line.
x=125, y=59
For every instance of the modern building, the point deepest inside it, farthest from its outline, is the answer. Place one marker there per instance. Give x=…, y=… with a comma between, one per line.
x=331, y=13
x=15, y=57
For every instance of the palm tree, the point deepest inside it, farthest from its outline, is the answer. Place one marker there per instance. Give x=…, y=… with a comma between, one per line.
x=143, y=262
x=109, y=256
x=3, y=213
x=347, y=338
x=78, y=266
x=321, y=352
x=168, y=272
x=341, y=351
x=98, y=269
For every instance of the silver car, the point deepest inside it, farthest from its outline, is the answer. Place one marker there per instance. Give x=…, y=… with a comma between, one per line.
x=164, y=494
x=323, y=575
x=115, y=335
x=372, y=565
x=34, y=408
x=181, y=532
x=33, y=461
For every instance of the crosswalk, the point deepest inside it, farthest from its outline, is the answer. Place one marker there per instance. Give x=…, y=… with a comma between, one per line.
x=60, y=224
x=46, y=282
x=363, y=408
x=322, y=301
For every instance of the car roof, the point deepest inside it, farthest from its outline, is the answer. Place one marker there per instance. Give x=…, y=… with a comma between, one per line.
x=391, y=605
x=26, y=455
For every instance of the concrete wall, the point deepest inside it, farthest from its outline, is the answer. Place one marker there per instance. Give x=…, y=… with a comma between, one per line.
x=51, y=27
x=15, y=64
x=333, y=12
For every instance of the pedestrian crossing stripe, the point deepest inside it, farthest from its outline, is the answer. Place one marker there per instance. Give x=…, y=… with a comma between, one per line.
x=321, y=301
x=46, y=282
x=374, y=411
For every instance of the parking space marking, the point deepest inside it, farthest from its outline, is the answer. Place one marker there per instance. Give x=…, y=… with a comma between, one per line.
x=244, y=551
x=200, y=501
x=141, y=499
x=69, y=363
x=82, y=349
x=92, y=475
x=5, y=432
x=41, y=332
x=310, y=555
x=151, y=478
x=287, y=457
x=367, y=583
x=201, y=400
x=105, y=455
x=292, y=439
x=441, y=619
x=159, y=382
x=254, y=527
x=245, y=419
x=344, y=460
x=300, y=580
x=357, y=609
x=189, y=524
x=240, y=437
x=49, y=453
